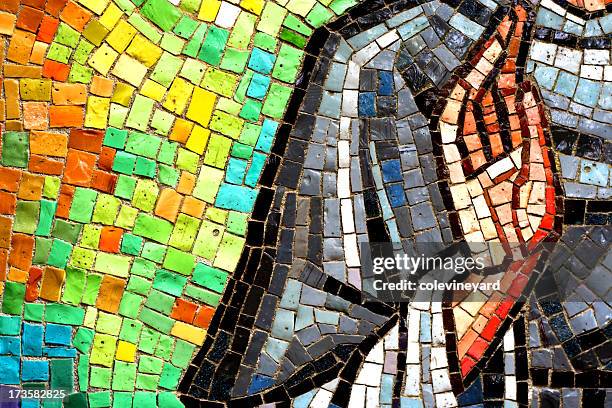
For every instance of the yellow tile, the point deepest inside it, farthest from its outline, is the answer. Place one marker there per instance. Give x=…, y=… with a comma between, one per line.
x=130, y=70
x=201, y=106
x=97, y=6
x=103, y=350
x=189, y=333
x=121, y=36
x=198, y=139
x=153, y=90
x=177, y=97
x=97, y=112
x=123, y=94
x=102, y=60
x=126, y=351
x=144, y=51
x=300, y=7
x=209, y=10
x=253, y=5
x=91, y=314
x=111, y=16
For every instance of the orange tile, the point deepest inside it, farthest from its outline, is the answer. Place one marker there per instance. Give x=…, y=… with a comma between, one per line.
x=35, y=115
x=184, y=311
x=22, y=71
x=20, y=47
x=6, y=225
x=49, y=144
x=20, y=255
x=86, y=140
x=54, y=7
x=204, y=316
x=3, y=258
x=14, y=125
x=52, y=282
x=466, y=341
x=39, y=4
x=69, y=94
x=11, y=90
x=186, y=183
x=110, y=294
x=7, y=23
x=9, y=179
x=8, y=202
x=9, y=5
x=47, y=29
x=79, y=168
x=34, y=277
x=65, y=116
x=31, y=187
x=29, y=19
x=106, y=159
x=65, y=200
x=38, y=53
x=194, y=207
x=45, y=165
x=168, y=204
x=17, y=275
x=56, y=70
x=491, y=328
x=101, y=86
x=466, y=365
x=104, y=181
x=75, y=16
x=110, y=239
x=477, y=348
x=181, y=130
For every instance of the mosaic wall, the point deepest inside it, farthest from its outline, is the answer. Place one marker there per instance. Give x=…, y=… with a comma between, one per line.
x=186, y=186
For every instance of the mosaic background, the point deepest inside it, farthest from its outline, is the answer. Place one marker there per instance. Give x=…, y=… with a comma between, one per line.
x=185, y=186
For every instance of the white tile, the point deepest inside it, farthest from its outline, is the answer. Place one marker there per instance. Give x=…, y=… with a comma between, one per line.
x=228, y=13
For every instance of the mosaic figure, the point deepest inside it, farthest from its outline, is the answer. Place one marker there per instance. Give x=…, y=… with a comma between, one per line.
x=186, y=187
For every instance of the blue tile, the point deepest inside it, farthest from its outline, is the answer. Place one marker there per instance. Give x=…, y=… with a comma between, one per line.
x=566, y=84
x=35, y=370
x=260, y=382
x=386, y=389
x=396, y=195
x=10, y=325
x=261, y=61
x=239, y=198
x=385, y=83
x=257, y=163
x=59, y=352
x=9, y=370
x=367, y=104
x=58, y=334
x=30, y=403
x=235, y=171
x=587, y=92
x=391, y=170
x=268, y=130
x=258, y=86
x=406, y=402
x=594, y=173
x=10, y=346
x=472, y=395
x=32, y=339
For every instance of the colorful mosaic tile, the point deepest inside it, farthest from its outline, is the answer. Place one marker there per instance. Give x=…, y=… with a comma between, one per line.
x=187, y=188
